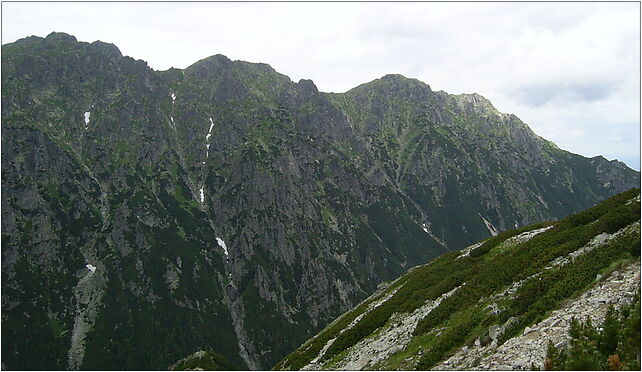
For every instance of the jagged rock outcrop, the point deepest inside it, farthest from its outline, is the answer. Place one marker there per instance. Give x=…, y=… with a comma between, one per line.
x=225, y=207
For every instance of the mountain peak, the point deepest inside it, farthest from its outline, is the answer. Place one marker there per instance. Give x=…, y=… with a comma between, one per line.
x=106, y=48
x=62, y=37
x=217, y=59
x=401, y=79
x=219, y=62
x=394, y=84
x=308, y=85
x=394, y=77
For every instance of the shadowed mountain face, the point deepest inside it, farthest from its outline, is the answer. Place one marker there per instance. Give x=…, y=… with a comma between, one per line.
x=147, y=214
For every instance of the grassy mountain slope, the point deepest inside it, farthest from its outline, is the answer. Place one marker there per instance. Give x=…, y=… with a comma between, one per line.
x=503, y=284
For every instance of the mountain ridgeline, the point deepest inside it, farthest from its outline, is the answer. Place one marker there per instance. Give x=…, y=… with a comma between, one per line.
x=506, y=303
x=150, y=214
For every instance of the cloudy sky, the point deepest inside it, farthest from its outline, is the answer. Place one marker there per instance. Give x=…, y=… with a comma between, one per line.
x=571, y=71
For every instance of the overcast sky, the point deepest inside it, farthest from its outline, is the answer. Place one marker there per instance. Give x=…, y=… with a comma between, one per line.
x=571, y=71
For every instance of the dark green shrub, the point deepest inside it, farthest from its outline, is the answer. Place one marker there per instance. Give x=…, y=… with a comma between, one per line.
x=615, y=346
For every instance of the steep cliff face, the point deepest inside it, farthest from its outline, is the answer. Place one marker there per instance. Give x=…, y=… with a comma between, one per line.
x=468, y=168
x=496, y=304
x=147, y=215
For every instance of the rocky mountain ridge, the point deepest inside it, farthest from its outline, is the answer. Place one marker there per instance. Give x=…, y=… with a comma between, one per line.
x=493, y=331
x=522, y=352
x=225, y=207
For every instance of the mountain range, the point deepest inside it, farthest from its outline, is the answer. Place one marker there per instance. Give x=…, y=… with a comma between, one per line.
x=150, y=214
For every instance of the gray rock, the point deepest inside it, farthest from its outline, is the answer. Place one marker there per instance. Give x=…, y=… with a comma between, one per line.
x=485, y=340
x=493, y=331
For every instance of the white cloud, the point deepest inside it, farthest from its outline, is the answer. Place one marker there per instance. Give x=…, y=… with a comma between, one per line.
x=569, y=70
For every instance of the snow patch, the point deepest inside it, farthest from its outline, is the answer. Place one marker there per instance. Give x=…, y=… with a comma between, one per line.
x=203, y=197
x=223, y=245
x=209, y=132
x=91, y=267
x=87, y=115
x=425, y=228
x=173, y=97
x=207, y=139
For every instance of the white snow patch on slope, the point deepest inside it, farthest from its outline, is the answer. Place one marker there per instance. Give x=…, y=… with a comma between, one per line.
x=210, y=130
x=173, y=97
x=91, y=267
x=87, y=115
x=203, y=197
x=207, y=139
x=222, y=244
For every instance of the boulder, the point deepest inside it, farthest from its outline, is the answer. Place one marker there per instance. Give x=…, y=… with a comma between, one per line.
x=556, y=322
x=485, y=340
x=493, y=332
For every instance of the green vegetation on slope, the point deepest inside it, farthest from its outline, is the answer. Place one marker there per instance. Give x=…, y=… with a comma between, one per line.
x=488, y=269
